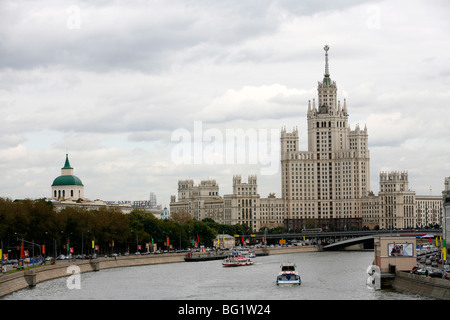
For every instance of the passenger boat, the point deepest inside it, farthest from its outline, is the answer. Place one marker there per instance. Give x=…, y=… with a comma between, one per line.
x=288, y=275
x=236, y=260
x=250, y=254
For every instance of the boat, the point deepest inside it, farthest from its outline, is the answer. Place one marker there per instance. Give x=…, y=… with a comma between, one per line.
x=288, y=275
x=250, y=254
x=195, y=257
x=237, y=260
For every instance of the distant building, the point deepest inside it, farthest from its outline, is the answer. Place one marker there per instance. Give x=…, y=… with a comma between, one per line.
x=398, y=207
x=327, y=186
x=165, y=214
x=68, y=191
x=429, y=211
x=243, y=206
x=325, y=183
x=199, y=201
x=67, y=186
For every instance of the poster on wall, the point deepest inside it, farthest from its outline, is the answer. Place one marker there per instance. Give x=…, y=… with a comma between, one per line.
x=400, y=249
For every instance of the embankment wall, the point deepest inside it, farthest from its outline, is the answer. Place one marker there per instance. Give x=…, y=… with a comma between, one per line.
x=426, y=286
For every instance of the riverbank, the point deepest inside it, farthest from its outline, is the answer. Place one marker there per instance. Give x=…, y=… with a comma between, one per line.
x=434, y=288
x=22, y=279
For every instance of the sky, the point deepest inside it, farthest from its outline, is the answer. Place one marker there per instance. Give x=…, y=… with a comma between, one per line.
x=142, y=94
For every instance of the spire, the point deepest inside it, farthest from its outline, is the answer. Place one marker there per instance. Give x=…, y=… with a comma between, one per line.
x=326, y=79
x=67, y=164
x=327, y=71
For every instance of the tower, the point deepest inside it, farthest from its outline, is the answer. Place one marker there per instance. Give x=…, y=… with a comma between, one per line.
x=67, y=186
x=326, y=182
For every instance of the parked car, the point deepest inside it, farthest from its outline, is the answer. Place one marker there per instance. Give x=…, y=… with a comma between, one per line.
x=414, y=269
x=435, y=274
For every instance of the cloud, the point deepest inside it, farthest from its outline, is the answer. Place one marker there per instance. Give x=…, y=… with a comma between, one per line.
x=254, y=103
x=111, y=87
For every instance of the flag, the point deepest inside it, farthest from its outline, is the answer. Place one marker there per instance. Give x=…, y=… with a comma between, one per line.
x=444, y=250
x=93, y=244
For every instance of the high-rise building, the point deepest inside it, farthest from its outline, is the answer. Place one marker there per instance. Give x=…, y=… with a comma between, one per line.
x=325, y=184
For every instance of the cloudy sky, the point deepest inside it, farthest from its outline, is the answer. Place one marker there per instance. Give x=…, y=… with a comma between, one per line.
x=121, y=86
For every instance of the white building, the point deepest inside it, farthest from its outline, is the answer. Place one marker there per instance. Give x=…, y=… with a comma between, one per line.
x=68, y=191
x=67, y=186
x=326, y=182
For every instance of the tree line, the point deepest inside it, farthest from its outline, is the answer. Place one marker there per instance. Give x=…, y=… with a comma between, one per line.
x=39, y=226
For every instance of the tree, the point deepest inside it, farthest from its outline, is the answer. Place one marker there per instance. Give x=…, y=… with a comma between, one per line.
x=181, y=216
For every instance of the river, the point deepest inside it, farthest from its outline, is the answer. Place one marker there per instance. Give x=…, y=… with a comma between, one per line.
x=325, y=275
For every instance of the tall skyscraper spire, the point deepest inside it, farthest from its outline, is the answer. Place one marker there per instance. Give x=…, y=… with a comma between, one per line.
x=326, y=79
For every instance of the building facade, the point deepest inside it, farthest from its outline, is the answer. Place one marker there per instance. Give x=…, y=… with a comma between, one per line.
x=325, y=183
x=327, y=186
x=243, y=206
x=199, y=201
x=67, y=185
x=429, y=211
x=398, y=207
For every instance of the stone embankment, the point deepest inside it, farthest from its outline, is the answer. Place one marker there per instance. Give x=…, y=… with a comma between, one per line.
x=23, y=279
x=434, y=288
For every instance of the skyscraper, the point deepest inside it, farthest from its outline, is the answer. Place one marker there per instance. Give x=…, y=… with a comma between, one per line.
x=324, y=185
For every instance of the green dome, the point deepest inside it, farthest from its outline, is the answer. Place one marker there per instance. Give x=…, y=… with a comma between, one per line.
x=67, y=181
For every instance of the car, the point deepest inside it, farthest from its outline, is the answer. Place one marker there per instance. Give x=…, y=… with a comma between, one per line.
x=414, y=269
x=435, y=274
x=434, y=264
x=61, y=257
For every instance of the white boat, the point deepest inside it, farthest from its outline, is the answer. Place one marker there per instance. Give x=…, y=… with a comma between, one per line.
x=288, y=275
x=236, y=260
x=250, y=254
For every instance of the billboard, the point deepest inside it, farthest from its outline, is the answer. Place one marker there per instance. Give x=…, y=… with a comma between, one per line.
x=400, y=250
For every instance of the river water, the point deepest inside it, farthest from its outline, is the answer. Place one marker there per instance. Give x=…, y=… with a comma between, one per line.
x=325, y=275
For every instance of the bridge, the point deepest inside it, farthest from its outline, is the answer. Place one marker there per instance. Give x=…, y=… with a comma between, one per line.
x=366, y=241
x=339, y=240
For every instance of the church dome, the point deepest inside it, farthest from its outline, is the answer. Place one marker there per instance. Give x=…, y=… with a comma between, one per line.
x=69, y=180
